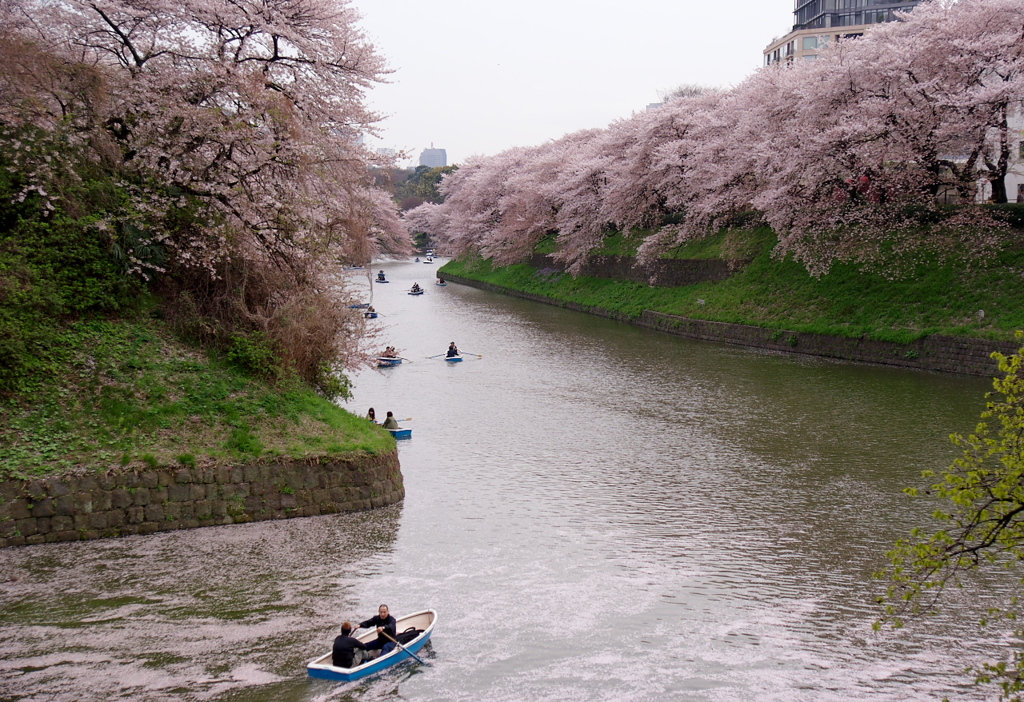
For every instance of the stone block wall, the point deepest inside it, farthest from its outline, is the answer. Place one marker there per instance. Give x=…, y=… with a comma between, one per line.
x=89, y=506
x=935, y=353
x=660, y=273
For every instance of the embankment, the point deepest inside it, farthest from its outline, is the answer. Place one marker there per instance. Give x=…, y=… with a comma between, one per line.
x=963, y=355
x=121, y=502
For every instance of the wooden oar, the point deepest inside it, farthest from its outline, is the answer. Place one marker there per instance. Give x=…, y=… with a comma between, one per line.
x=437, y=354
x=405, y=649
x=467, y=353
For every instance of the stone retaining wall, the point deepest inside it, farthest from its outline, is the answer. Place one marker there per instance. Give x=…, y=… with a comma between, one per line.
x=660, y=273
x=89, y=506
x=935, y=353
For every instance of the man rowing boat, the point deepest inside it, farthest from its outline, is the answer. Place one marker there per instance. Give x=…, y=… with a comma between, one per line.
x=453, y=350
x=385, y=623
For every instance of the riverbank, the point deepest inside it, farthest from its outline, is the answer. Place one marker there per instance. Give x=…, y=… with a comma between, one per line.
x=944, y=316
x=134, y=431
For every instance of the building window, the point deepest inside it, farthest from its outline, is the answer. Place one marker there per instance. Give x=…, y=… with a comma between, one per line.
x=810, y=43
x=810, y=57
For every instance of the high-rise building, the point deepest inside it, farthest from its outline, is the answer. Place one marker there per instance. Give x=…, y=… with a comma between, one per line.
x=818, y=22
x=434, y=158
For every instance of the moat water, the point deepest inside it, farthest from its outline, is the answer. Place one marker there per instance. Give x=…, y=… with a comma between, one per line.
x=597, y=512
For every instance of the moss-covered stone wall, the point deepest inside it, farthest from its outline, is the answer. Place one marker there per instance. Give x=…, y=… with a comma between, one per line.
x=89, y=506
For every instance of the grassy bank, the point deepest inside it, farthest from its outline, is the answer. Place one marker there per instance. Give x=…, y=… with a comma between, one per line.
x=959, y=299
x=126, y=393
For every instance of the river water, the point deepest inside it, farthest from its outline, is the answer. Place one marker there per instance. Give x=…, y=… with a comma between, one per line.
x=597, y=512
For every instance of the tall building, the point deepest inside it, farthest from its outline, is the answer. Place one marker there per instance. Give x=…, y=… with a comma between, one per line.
x=434, y=158
x=818, y=22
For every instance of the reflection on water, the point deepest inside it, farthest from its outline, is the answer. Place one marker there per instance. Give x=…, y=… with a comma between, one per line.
x=597, y=512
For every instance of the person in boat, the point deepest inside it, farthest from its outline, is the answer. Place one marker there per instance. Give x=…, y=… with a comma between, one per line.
x=390, y=352
x=390, y=423
x=385, y=624
x=453, y=350
x=415, y=287
x=440, y=281
x=348, y=651
x=380, y=276
x=372, y=416
x=417, y=259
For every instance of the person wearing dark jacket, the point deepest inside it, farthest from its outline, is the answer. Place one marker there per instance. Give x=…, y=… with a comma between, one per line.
x=348, y=650
x=385, y=624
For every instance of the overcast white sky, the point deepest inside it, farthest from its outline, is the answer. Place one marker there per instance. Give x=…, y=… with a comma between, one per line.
x=480, y=76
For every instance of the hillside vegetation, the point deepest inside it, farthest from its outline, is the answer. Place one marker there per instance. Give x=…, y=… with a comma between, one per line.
x=126, y=393
x=959, y=298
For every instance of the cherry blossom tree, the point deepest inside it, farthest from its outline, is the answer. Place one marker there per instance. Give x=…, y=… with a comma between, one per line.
x=232, y=126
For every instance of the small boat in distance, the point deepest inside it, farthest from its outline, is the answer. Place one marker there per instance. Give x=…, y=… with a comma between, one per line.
x=370, y=315
x=453, y=359
x=441, y=283
x=421, y=622
x=416, y=292
x=387, y=361
x=401, y=433
x=361, y=306
x=428, y=260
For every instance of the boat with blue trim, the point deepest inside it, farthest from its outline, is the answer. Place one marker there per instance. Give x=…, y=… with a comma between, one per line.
x=420, y=622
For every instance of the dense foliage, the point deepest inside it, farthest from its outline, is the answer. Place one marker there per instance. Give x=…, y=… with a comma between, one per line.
x=205, y=151
x=847, y=157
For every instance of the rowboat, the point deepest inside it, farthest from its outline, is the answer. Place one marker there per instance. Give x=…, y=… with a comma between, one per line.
x=421, y=621
x=401, y=433
x=361, y=306
x=370, y=315
x=453, y=359
x=380, y=280
x=416, y=292
x=429, y=260
x=441, y=284
x=386, y=361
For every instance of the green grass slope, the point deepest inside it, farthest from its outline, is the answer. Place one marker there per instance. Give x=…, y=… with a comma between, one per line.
x=976, y=299
x=127, y=393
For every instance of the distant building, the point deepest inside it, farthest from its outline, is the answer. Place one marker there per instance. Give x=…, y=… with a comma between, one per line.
x=818, y=22
x=386, y=153
x=434, y=158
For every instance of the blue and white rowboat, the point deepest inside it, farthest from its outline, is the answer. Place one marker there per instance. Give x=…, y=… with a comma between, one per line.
x=370, y=315
x=385, y=361
x=401, y=433
x=321, y=667
x=453, y=359
x=360, y=306
x=416, y=292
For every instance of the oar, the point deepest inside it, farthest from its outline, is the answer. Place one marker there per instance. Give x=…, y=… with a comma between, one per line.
x=436, y=355
x=467, y=353
x=405, y=649
x=405, y=359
